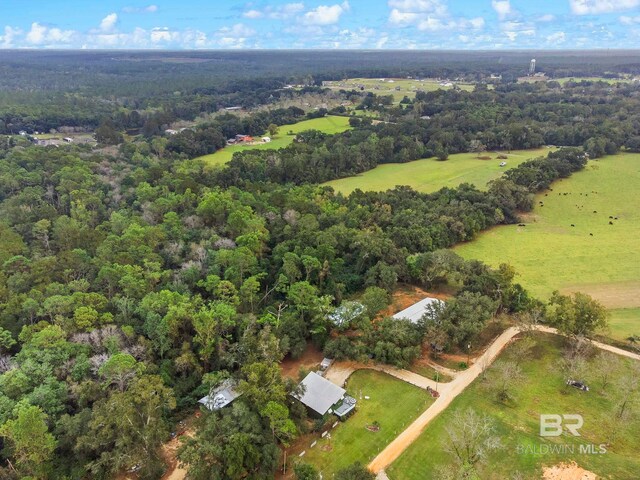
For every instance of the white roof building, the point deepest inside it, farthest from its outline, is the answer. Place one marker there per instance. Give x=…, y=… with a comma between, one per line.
x=319, y=393
x=221, y=396
x=416, y=311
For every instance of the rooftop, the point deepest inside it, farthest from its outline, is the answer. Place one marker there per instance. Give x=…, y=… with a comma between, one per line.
x=319, y=393
x=220, y=396
x=416, y=311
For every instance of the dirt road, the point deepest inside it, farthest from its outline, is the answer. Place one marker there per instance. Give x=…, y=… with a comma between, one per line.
x=451, y=390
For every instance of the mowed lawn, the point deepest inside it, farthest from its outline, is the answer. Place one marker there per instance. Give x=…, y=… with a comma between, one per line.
x=517, y=425
x=330, y=124
x=430, y=175
x=594, y=257
x=393, y=403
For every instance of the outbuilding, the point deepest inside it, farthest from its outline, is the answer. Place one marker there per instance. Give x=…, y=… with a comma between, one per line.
x=220, y=396
x=416, y=311
x=321, y=396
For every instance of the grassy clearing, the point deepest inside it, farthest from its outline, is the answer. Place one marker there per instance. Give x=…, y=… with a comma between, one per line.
x=624, y=323
x=428, y=371
x=543, y=391
x=550, y=254
x=398, y=87
x=430, y=175
x=330, y=125
x=393, y=403
x=611, y=81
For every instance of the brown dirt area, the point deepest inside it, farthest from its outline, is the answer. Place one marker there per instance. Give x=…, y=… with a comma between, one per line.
x=567, y=472
x=407, y=295
x=611, y=295
x=309, y=360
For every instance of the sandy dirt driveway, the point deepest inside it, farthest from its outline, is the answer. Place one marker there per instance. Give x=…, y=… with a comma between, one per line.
x=451, y=390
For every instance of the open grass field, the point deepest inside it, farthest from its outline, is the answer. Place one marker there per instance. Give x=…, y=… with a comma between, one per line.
x=517, y=424
x=430, y=175
x=593, y=257
x=329, y=124
x=398, y=87
x=392, y=403
x=563, y=80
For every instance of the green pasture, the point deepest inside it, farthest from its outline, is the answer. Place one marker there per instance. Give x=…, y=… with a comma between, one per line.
x=598, y=255
x=398, y=87
x=392, y=403
x=430, y=175
x=329, y=124
x=542, y=391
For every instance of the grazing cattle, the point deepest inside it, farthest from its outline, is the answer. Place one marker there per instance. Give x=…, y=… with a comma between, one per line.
x=595, y=211
x=610, y=222
x=610, y=216
x=572, y=225
x=591, y=234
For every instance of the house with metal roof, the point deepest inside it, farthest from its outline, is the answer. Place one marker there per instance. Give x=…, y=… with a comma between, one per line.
x=416, y=311
x=220, y=396
x=321, y=396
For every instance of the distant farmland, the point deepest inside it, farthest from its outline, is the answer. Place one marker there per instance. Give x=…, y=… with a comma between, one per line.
x=599, y=255
x=329, y=124
x=398, y=87
x=429, y=175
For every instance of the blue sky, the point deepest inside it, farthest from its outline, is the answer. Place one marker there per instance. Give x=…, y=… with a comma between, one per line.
x=369, y=24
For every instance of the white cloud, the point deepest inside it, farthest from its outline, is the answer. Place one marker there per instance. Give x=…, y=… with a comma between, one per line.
x=514, y=29
x=502, y=8
x=325, y=15
x=37, y=34
x=42, y=35
x=10, y=33
x=591, y=7
x=629, y=20
x=429, y=15
x=108, y=23
x=235, y=36
x=557, y=37
x=252, y=14
x=419, y=6
x=281, y=12
x=546, y=18
x=147, y=9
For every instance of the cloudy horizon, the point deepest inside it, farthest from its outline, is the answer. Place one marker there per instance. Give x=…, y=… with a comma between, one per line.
x=347, y=24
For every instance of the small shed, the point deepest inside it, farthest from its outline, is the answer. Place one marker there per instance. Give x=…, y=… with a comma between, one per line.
x=416, y=311
x=326, y=363
x=266, y=139
x=220, y=396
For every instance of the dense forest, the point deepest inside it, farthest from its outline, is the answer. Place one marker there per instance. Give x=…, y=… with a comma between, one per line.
x=134, y=278
x=44, y=90
x=129, y=287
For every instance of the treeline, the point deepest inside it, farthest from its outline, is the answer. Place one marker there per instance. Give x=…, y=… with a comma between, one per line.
x=509, y=117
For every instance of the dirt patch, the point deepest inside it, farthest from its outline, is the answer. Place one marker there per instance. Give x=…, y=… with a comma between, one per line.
x=611, y=295
x=407, y=295
x=310, y=360
x=373, y=428
x=567, y=472
x=326, y=448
